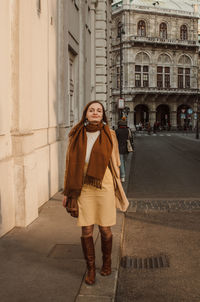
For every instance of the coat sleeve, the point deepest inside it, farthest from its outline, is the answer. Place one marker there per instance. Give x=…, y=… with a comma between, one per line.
x=66, y=168
x=121, y=200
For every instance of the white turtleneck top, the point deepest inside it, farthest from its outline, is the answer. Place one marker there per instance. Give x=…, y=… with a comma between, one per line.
x=91, y=138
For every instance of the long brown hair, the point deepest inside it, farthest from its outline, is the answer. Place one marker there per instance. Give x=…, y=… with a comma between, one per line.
x=83, y=118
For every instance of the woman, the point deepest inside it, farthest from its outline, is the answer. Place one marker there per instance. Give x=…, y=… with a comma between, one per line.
x=92, y=178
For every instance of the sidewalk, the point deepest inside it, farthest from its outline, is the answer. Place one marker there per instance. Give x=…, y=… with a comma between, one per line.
x=44, y=262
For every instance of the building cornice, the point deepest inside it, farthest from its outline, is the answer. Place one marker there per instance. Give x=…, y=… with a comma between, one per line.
x=163, y=12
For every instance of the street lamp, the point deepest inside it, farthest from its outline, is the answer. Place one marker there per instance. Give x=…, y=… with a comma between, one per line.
x=120, y=33
x=197, y=123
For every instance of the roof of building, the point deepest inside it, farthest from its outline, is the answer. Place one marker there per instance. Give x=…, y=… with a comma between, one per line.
x=186, y=6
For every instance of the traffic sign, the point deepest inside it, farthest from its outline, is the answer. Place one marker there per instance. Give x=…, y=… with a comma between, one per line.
x=190, y=111
x=120, y=103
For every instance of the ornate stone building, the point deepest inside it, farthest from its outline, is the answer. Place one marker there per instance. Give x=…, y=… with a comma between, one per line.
x=55, y=57
x=160, y=61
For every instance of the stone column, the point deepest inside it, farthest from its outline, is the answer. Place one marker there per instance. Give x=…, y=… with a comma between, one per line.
x=152, y=117
x=173, y=117
x=173, y=120
x=152, y=112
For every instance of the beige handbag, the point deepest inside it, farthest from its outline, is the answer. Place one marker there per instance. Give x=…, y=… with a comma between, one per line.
x=129, y=145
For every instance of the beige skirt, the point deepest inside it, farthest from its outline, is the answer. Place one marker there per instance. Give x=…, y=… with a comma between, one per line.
x=97, y=206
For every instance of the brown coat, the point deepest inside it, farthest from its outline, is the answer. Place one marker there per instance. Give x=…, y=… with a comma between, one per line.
x=121, y=200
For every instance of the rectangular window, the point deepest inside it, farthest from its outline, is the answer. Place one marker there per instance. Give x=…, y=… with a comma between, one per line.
x=141, y=76
x=145, y=68
x=167, y=69
x=159, y=81
x=160, y=77
x=183, y=78
x=137, y=68
x=163, y=77
x=137, y=75
x=145, y=80
x=180, y=70
x=180, y=81
x=187, y=77
x=137, y=80
x=167, y=77
x=167, y=81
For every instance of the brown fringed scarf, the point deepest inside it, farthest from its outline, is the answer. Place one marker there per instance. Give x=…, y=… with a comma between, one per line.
x=99, y=158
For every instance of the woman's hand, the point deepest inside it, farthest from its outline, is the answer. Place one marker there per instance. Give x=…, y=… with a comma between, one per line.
x=64, y=201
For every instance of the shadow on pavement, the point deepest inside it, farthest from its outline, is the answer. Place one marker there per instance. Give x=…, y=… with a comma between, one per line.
x=178, y=220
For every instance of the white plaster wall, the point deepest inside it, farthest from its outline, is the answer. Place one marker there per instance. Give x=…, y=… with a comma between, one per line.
x=25, y=65
x=7, y=198
x=31, y=196
x=43, y=174
x=52, y=63
x=5, y=146
x=54, y=164
x=32, y=142
x=39, y=79
x=5, y=106
x=7, y=205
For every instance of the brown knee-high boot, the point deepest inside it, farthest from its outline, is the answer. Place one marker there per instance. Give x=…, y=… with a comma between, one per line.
x=106, y=247
x=89, y=253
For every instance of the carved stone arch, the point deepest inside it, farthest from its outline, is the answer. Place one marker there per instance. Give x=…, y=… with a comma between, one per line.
x=164, y=21
x=164, y=59
x=142, y=58
x=185, y=60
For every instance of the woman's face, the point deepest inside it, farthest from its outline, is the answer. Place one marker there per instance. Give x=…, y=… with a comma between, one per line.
x=94, y=113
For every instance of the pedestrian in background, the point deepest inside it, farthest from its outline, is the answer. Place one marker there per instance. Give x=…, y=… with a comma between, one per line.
x=123, y=133
x=92, y=186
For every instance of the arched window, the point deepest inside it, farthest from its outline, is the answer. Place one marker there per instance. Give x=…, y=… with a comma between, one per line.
x=183, y=32
x=163, y=71
x=142, y=70
x=141, y=28
x=184, y=72
x=163, y=30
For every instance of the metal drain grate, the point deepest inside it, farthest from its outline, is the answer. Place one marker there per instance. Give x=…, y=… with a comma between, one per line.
x=160, y=261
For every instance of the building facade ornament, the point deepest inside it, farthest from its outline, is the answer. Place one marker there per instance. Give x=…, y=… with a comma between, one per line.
x=160, y=62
